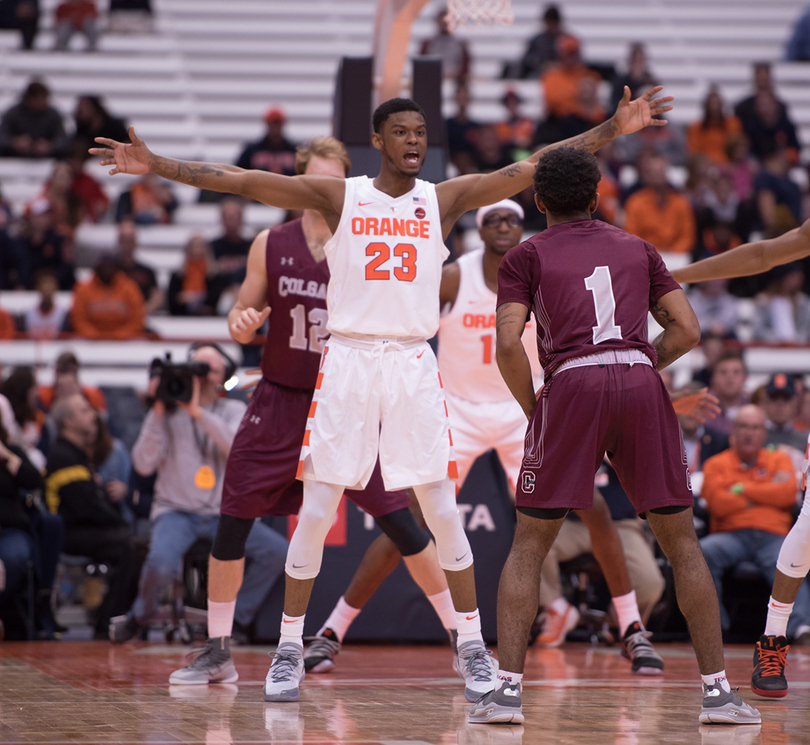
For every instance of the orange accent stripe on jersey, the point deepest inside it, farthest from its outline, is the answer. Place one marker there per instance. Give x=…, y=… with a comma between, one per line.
x=323, y=356
x=441, y=385
x=452, y=469
x=450, y=435
x=312, y=408
x=319, y=381
x=300, y=469
x=306, y=437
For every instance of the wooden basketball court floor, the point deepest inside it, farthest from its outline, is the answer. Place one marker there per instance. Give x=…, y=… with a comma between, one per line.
x=94, y=692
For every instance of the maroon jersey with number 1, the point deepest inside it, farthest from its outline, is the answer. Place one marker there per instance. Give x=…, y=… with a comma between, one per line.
x=296, y=294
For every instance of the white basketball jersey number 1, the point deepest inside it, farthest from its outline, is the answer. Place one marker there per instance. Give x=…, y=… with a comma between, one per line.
x=604, y=305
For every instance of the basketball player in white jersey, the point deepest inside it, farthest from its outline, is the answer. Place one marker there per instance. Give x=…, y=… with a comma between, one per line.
x=380, y=390
x=485, y=415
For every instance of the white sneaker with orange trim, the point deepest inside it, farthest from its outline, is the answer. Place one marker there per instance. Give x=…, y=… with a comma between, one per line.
x=557, y=625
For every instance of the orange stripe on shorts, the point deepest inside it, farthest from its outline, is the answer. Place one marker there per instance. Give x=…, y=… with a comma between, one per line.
x=300, y=469
x=306, y=437
x=312, y=408
x=450, y=435
x=446, y=412
x=441, y=385
x=319, y=381
x=452, y=469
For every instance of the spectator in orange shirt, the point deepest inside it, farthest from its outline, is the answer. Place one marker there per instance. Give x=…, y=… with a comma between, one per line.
x=659, y=213
x=712, y=134
x=516, y=131
x=749, y=493
x=562, y=84
x=66, y=383
x=109, y=305
x=8, y=328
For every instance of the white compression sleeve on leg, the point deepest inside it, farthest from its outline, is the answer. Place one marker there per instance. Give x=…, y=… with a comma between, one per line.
x=316, y=517
x=794, y=556
x=438, y=503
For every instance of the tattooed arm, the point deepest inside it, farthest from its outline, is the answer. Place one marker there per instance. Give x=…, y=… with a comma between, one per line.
x=464, y=193
x=510, y=320
x=321, y=193
x=681, y=327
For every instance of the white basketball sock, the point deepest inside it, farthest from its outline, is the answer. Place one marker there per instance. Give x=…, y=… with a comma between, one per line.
x=220, y=618
x=292, y=630
x=469, y=627
x=340, y=619
x=627, y=610
x=442, y=603
x=778, y=617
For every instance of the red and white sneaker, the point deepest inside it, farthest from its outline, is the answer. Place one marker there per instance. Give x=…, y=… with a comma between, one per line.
x=557, y=625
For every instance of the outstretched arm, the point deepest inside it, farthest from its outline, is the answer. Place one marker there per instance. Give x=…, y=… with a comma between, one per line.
x=751, y=258
x=681, y=327
x=464, y=193
x=321, y=193
x=510, y=353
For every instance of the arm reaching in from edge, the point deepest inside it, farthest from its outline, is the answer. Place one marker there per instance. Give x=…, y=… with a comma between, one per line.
x=463, y=193
x=510, y=321
x=251, y=309
x=701, y=405
x=321, y=193
x=750, y=258
x=681, y=327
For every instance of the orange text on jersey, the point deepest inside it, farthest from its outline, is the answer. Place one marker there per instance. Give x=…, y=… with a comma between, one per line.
x=479, y=321
x=391, y=226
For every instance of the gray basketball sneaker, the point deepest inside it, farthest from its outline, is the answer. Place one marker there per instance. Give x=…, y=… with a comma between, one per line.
x=285, y=674
x=478, y=669
x=501, y=706
x=720, y=707
x=213, y=664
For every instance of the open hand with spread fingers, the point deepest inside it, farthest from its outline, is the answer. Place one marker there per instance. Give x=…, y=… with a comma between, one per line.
x=632, y=116
x=131, y=158
x=701, y=405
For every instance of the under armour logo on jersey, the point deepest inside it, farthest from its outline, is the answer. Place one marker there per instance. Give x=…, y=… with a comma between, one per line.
x=287, y=260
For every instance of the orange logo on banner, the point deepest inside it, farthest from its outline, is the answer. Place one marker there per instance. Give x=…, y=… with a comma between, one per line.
x=337, y=535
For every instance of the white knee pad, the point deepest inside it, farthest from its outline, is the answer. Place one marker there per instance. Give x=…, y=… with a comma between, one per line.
x=794, y=556
x=438, y=503
x=316, y=517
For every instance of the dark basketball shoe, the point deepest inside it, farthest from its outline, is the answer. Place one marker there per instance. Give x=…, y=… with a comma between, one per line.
x=319, y=656
x=637, y=648
x=770, y=658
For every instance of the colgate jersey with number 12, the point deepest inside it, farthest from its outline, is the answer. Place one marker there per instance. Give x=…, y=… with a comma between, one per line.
x=385, y=261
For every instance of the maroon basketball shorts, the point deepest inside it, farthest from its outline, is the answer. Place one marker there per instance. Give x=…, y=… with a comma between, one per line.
x=584, y=412
x=260, y=476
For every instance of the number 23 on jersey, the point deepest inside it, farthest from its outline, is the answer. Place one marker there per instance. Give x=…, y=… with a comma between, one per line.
x=381, y=264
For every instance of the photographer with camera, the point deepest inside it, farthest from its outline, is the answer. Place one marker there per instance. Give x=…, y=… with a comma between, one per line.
x=186, y=438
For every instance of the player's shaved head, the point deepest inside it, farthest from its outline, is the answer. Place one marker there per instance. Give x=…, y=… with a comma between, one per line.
x=393, y=106
x=565, y=181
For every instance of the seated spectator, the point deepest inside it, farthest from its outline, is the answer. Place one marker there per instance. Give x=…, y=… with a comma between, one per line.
x=141, y=274
x=46, y=320
x=722, y=206
x=729, y=376
x=22, y=15
x=783, y=310
x=461, y=132
x=769, y=128
x=92, y=120
x=33, y=128
x=763, y=83
x=516, y=131
x=717, y=237
x=454, y=54
x=74, y=196
x=742, y=166
x=488, y=153
x=112, y=464
x=712, y=133
x=637, y=78
x=27, y=534
x=574, y=540
x=274, y=152
x=231, y=248
x=66, y=383
x=8, y=326
x=669, y=142
x=27, y=429
x=14, y=269
x=777, y=196
x=750, y=493
x=712, y=346
x=699, y=439
x=562, y=84
x=42, y=247
x=781, y=406
x=76, y=17
x=715, y=308
x=798, y=46
x=659, y=213
x=149, y=201
x=94, y=526
x=109, y=305
x=188, y=445
x=194, y=291
x=542, y=49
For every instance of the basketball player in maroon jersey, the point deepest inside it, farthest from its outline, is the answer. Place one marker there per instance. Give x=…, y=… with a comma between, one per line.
x=590, y=287
x=400, y=133
x=286, y=280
